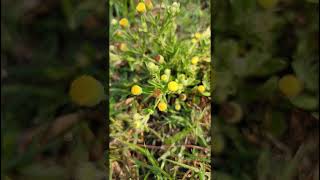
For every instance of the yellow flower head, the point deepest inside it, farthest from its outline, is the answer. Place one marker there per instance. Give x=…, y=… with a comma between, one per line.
x=201, y=88
x=164, y=77
x=124, y=22
x=197, y=35
x=177, y=107
x=195, y=60
x=290, y=86
x=86, y=91
x=162, y=106
x=173, y=86
x=136, y=90
x=141, y=7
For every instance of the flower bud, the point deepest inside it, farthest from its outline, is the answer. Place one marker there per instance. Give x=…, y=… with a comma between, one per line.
x=114, y=22
x=164, y=78
x=149, y=4
x=175, y=8
x=152, y=67
x=183, y=97
x=160, y=59
x=177, y=107
x=167, y=72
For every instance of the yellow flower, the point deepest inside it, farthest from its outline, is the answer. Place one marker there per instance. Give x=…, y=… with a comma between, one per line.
x=149, y=4
x=86, y=91
x=141, y=7
x=162, y=106
x=177, y=107
x=136, y=90
x=173, y=86
x=201, y=88
x=290, y=86
x=164, y=77
x=194, y=40
x=124, y=22
x=195, y=60
x=197, y=35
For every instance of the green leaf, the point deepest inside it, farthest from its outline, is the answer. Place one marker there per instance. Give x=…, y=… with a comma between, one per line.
x=308, y=72
x=184, y=165
x=269, y=87
x=306, y=102
x=270, y=67
x=177, y=137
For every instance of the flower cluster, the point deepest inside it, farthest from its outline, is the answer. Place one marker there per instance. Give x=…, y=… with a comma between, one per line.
x=169, y=67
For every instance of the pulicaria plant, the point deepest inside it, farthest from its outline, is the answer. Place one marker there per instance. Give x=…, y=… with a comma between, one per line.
x=160, y=85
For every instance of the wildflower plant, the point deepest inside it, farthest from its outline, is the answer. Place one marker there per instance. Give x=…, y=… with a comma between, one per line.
x=160, y=92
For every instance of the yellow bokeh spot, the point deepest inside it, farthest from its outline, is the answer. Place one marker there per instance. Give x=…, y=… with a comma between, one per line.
x=86, y=91
x=290, y=85
x=162, y=106
x=173, y=86
x=136, y=90
x=194, y=40
x=201, y=88
x=124, y=22
x=195, y=60
x=141, y=7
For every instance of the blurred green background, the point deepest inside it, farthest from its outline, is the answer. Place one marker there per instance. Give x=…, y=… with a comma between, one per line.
x=266, y=62
x=45, y=45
